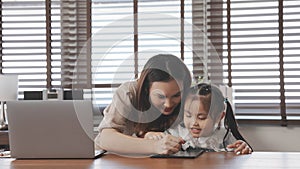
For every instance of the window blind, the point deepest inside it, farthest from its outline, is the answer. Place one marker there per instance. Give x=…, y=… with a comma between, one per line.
x=112, y=45
x=126, y=33
x=261, y=55
x=207, y=38
x=76, y=44
x=27, y=45
x=291, y=59
x=53, y=44
x=254, y=57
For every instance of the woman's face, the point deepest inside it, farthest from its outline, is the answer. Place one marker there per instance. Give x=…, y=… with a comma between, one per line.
x=165, y=96
x=196, y=119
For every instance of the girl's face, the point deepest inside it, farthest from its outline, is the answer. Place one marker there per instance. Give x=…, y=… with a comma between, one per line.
x=196, y=119
x=165, y=96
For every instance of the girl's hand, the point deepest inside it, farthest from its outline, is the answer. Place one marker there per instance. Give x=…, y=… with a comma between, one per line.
x=240, y=147
x=168, y=144
x=154, y=135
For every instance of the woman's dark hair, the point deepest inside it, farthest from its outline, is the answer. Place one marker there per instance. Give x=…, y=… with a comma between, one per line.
x=213, y=102
x=160, y=68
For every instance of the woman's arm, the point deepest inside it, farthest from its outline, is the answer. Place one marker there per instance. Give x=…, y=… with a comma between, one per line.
x=114, y=141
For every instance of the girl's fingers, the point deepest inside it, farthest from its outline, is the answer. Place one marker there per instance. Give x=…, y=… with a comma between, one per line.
x=243, y=149
x=231, y=145
x=247, y=150
x=154, y=135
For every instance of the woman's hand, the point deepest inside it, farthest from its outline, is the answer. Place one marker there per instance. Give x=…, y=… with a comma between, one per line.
x=168, y=144
x=240, y=147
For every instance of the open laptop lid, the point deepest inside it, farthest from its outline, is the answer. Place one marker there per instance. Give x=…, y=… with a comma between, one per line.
x=51, y=129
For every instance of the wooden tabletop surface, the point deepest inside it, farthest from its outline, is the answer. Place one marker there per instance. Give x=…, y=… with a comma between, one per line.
x=210, y=160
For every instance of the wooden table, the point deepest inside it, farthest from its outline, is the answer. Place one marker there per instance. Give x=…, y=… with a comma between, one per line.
x=257, y=160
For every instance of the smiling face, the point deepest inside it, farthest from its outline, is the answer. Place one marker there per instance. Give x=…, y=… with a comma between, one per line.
x=196, y=119
x=165, y=96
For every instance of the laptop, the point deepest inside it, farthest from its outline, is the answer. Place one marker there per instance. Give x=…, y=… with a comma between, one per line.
x=189, y=153
x=51, y=129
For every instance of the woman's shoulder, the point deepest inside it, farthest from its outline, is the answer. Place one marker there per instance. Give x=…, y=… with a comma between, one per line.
x=123, y=95
x=128, y=86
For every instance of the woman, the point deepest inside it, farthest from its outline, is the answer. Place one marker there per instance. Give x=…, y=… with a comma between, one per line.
x=151, y=103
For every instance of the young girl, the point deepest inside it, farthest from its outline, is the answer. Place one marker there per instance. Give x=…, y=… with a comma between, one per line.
x=151, y=103
x=203, y=114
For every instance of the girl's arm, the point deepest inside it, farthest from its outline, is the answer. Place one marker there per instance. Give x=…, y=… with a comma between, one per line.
x=112, y=140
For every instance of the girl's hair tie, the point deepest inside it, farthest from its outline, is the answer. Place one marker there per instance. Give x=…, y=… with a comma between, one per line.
x=226, y=100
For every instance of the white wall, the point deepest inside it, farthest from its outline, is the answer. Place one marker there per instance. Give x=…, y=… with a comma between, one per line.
x=272, y=138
